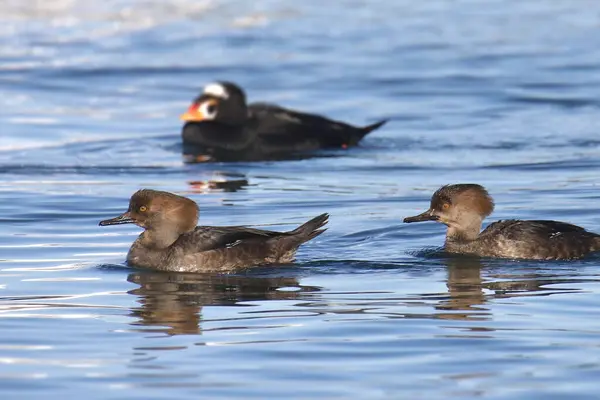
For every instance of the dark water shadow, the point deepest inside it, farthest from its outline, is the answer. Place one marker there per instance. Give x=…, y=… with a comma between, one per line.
x=193, y=155
x=172, y=302
x=473, y=282
x=473, y=285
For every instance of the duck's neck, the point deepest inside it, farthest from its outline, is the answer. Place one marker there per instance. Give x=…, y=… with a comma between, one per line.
x=158, y=238
x=464, y=233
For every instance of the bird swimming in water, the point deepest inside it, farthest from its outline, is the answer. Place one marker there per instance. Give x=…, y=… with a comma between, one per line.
x=171, y=241
x=463, y=207
x=221, y=126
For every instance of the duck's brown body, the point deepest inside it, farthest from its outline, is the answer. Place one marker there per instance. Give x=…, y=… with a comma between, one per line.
x=224, y=249
x=172, y=242
x=536, y=240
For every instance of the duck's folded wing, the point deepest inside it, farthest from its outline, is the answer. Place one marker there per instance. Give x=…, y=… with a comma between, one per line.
x=205, y=238
x=277, y=124
x=534, y=228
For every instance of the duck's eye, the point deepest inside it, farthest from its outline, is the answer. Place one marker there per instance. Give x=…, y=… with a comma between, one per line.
x=445, y=206
x=208, y=109
x=143, y=209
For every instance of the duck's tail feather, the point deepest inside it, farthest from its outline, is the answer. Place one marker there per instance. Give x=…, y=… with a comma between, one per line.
x=370, y=128
x=311, y=229
x=360, y=132
x=285, y=245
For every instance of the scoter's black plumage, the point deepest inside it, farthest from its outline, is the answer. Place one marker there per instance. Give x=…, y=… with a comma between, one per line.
x=172, y=242
x=463, y=207
x=222, y=126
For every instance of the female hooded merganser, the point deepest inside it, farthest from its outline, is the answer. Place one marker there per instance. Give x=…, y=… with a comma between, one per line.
x=462, y=209
x=171, y=241
x=220, y=126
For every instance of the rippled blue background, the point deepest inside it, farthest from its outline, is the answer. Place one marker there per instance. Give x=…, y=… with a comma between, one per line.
x=502, y=93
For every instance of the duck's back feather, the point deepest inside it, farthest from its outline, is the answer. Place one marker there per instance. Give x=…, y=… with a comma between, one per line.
x=205, y=238
x=536, y=239
x=290, y=128
x=226, y=249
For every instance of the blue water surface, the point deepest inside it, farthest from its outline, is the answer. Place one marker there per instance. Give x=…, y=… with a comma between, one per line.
x=503, y=93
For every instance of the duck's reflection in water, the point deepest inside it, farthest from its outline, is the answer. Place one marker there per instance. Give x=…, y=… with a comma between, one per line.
x=214, y=185
x=173, y=302
x=465, y=290
x=469, y=289
x=219, y=182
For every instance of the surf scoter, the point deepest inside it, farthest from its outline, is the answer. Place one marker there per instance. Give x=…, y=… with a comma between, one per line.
x=220, y=126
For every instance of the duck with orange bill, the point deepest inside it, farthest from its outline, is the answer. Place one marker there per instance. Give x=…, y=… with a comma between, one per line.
x=221, y=126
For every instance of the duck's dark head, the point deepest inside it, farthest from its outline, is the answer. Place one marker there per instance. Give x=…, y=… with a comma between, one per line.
x=222, y=102
x=462, y=207
x=166, y=216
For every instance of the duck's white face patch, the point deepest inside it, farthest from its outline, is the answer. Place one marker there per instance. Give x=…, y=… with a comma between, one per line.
x=217, y=90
